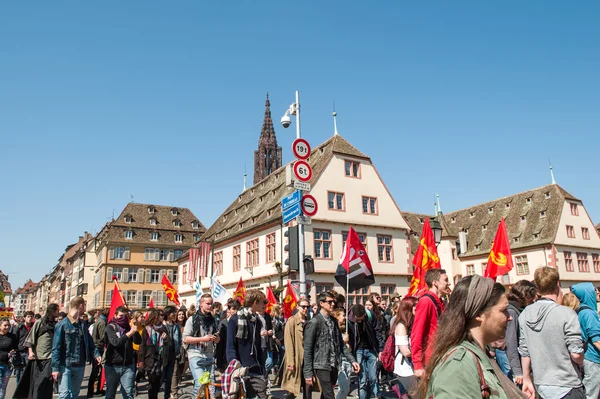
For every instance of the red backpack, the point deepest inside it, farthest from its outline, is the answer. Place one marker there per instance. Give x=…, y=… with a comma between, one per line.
x=388, y=356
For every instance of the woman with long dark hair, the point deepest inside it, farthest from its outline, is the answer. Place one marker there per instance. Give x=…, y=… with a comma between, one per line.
x=401, y=328
x=8, y=348
x=522, y=294
x=154, y=351
x=181, y=364
x=459, y=367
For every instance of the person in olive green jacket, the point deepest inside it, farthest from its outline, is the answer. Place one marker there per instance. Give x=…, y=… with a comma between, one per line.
x=459, y=367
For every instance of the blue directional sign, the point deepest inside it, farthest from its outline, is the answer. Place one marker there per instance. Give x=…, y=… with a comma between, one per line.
x=291, y=200
x=291, y=213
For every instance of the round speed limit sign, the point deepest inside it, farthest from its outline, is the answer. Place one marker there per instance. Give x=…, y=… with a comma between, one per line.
x=301, y=149
x=302, y=171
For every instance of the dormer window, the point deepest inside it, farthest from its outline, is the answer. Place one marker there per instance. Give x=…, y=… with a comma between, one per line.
x=197, y=236
x=177, y=223
x=484, y=227
x=128, y=235
x=178, y=237
x=477, y=247
x=453, y=220
x=195, y=224
x=421, y=220
x=174, y=212
x=152, y=222
x=472, y=214
x=466, y=231
x=547, y=195
x=507, y=205
x=523, y=218
x=490, y=210
x=536, y=236
x=128, y=219
x=542, y=214
x=154, y=236
x=516, y=239
x=151, y=209
x=528, y=200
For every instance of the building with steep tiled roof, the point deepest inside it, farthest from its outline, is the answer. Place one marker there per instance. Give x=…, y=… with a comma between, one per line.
x=138, y=248
x=546, y=226
x=249, y=235
x=21, y=298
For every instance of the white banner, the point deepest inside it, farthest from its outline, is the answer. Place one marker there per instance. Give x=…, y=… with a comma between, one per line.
x=218, y=292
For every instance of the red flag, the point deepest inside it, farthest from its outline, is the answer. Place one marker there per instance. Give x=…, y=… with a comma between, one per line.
x=426, y=258
x=289, y=301
x=240, y=292
x=354, y=270
x=116, y=301
x=151, y=306
x=205, y=249
x=170, y=290
x=193, y=266
x=271, y=300
x=500, y=260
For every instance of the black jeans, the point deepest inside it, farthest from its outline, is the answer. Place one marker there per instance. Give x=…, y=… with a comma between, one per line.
x=154, y=383
x=256, y=387
x=94, y=379
x=327, y=379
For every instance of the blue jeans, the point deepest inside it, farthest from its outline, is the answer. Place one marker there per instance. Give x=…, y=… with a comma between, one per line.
x=199, y=366
x=344, y=380
x=268, y=362
x=69, y=381
x=124, y=375
x=4, y=377
x=368, y=386
x=503, y=363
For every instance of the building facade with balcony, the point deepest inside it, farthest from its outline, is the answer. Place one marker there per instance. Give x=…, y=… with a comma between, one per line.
x=137, y=249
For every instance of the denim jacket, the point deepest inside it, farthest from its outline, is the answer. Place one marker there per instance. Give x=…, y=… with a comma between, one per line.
x=66, y=345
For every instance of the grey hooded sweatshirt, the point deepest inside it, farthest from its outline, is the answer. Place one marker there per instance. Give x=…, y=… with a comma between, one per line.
x=549, y=333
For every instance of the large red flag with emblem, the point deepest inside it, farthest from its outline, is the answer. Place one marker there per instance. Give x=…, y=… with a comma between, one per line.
x=170, y=290
x=354, y=269
x=500, y=260
x=240, y=292
x=289, y=301
x=271, y=300
x=426, y=258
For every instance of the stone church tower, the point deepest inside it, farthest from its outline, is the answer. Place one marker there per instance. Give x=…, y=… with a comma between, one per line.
x=268, y=156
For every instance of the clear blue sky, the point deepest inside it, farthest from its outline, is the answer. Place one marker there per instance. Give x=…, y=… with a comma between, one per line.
x=164, y=100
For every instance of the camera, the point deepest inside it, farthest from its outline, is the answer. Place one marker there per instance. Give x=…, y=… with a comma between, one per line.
x=286, y=121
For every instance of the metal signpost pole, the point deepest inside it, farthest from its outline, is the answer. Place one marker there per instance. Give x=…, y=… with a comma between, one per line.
x=301, y=226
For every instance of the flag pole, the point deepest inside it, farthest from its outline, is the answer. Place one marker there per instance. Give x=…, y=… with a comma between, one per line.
x=347, y=302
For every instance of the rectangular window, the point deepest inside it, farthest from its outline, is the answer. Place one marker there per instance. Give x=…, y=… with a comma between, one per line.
x=218, y=263
x=155, y=276
x=369, y=205
x=454, y=257
x=582, y=262
x=178, y=237
x=596, y=262
x=570, y=232
x=237, y=258
x=129, y=235
x=175, y=277
x=470, y=270
x=164, y=254
x=359, y=296
x=130, y=297
x=270, y=247
x=132, y=275
x=178, y=253
x=322, y=240
x=568, y=262
x=322, y=287
x=154, y=236
x=252, y=253
x=585, y=233
x=146, y=298
x=119, y=253
x=387, y=290
x=385, y=251
x=335, y=201
x=361, y=236
x=574, y=210
x=118, y=273
x=149, y=254
x=352, y=169
x=184, y=273
x=522, y=265
x=483, y=267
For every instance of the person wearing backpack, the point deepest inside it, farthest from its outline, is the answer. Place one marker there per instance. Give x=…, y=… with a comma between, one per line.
x=590, y=334
x=366, y=343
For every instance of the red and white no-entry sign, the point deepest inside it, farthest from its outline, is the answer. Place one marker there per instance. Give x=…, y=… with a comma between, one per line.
x=302, y=171
x=301, y=149
x=309, y=205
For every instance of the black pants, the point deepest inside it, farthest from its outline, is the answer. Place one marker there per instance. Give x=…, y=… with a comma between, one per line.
x=94, y=379
x=42, y=382
x=154, y=383
x=576, y=393
x=327, y=379
x=256, y=386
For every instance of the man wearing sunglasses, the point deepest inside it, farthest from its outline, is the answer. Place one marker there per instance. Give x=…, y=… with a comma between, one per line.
x=324, y=348
x=293, y=379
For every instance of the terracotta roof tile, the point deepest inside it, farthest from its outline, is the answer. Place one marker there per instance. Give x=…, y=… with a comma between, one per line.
x=261, y=203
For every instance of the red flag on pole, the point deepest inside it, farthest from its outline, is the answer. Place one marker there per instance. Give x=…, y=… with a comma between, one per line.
x=170, y=290
x=425, y=258
x=289, y=301
x=354, y=270
x=240, y=292
x=271, y=300
x=500, y=260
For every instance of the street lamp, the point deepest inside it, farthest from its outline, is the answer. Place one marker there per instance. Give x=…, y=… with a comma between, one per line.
x=436, y=227
x=286, y=121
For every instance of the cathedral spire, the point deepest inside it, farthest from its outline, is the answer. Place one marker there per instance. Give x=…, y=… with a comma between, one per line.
x=267, y=157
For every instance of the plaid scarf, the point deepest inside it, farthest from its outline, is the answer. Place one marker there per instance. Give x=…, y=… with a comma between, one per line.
x=244, y=316
x=226, y=380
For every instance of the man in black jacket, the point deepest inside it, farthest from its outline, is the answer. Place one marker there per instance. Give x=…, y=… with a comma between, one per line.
x=22, y=331
x=324, y=348
x=366, y=342
x=98, y=338
x=120, y=335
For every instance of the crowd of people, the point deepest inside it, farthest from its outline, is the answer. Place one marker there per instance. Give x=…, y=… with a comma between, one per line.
x=477, y=341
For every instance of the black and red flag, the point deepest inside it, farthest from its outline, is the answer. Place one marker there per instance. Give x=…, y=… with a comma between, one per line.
x=354, y=270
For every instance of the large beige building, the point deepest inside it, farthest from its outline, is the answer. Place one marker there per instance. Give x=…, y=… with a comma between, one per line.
x=138, y=248
x=249, y=236
x=546, y=226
